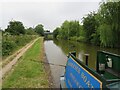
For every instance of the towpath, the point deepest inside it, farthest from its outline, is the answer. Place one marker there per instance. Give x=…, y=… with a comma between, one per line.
x=9, y=66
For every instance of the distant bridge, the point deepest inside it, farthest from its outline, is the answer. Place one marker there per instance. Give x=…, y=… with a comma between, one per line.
x=47, y=34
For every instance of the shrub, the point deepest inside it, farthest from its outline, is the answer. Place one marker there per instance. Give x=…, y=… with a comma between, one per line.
x=8, y=47
x=81, y=39
x=74, y=38
x=11, y=42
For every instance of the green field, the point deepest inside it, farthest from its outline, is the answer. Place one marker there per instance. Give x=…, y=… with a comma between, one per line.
x=28, y=72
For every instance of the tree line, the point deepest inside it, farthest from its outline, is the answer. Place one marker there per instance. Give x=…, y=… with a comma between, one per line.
x=99, y=28
x=17, y=28
x=16, y=36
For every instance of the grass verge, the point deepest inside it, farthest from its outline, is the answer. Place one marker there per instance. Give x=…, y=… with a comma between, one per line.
x=28, y=72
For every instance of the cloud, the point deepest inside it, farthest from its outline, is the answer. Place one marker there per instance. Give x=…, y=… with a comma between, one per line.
x=50, y=14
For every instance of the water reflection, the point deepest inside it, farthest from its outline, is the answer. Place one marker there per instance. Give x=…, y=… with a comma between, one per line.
x=83, y=48
x=55, y=56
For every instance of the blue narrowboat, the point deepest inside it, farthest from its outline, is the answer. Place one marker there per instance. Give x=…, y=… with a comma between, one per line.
x=79, y=75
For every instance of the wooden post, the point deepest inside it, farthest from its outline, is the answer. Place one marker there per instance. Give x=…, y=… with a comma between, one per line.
x=74, y=53
x=86, y=60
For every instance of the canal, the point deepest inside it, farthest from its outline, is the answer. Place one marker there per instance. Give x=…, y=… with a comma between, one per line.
x=57, y=51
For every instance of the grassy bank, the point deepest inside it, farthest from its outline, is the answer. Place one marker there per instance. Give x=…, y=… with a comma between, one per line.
x=28, y=72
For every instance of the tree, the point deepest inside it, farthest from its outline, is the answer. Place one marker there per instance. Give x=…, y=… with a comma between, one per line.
x=74, y=28
x=30, y=31
x=15, y=28
x=64, y=31
x=56, y=32
x=39, y=29
x=109, y=13
x=69, y=29
x=89, y=26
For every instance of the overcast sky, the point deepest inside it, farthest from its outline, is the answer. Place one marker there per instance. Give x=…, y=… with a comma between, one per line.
x=50, y=14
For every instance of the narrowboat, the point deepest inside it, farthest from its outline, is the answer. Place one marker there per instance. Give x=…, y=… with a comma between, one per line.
x=79, y=75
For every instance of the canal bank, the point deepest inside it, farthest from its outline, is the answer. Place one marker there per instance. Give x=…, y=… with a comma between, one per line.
x=48, y=70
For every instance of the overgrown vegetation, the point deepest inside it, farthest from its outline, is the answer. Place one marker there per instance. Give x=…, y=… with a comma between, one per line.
x=99, y=28
x=16, y=36
x=11, y=42
x=29, y=71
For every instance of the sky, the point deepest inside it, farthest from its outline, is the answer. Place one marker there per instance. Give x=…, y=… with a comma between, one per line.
x=50, y=13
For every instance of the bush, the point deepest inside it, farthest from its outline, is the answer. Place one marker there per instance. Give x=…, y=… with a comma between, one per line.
x=81, y=39
x=73, y=38
x=8, y=47
x=11, y=42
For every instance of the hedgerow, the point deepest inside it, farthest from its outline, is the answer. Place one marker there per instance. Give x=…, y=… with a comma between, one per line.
x=11, y=42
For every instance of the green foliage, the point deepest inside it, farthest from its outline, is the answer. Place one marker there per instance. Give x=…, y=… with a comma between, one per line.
x=50, y=37
x=106, y=30
x=64, y=31
x=56, y=32
x=89, y=26
x=95, y=38
x=109, y=27
x=67, y=30
x=106, y=35
x=7, y=47
x=39, y=29
x=10, y=42
x=74, y=28
x=74, y=38
x=81, y=39
x=15, y=28
x=30, y=31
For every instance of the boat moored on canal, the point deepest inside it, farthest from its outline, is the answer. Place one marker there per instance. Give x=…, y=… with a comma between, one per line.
x=79, y=75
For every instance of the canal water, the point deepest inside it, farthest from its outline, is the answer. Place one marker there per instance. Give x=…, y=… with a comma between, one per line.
x=57, y=51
